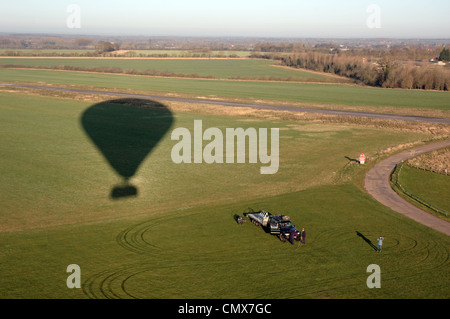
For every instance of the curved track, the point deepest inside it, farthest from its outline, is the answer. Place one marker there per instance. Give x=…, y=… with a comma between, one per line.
x=377, y=184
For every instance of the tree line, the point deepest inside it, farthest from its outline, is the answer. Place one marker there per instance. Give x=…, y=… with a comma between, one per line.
x=382, y=72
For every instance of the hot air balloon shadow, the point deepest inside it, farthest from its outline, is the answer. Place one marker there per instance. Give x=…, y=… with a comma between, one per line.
x=126, y=131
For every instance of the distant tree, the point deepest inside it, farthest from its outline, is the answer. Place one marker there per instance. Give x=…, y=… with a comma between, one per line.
x=444, y=55
x=6, y=42
x=104, y=46
x=116, y=46
x=82, y=42
x=50, y=42
x=25, y=44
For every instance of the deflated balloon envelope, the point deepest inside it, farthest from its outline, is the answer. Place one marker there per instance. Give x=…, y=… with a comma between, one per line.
x=126, y=131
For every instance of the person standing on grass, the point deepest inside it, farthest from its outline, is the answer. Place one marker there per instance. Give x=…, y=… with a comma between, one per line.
x=380, y=243
x=292, y=234
x=303, y=236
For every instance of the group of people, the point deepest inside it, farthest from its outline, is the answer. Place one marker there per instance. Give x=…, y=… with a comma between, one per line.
x=293, y=236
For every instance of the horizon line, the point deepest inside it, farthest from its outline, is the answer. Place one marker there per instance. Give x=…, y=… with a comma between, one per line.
x=227, y=36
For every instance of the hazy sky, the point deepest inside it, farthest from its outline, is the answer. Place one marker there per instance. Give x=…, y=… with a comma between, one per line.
x=262, y=18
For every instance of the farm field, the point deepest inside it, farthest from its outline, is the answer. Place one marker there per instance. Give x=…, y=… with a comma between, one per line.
x=43, y=52
x=178, y=238
x=330, y=95
x=181, y=53
x=216, y=68
x=434, y=188
x=168, y=53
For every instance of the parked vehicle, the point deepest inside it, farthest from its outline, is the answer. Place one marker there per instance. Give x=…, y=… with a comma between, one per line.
x=278, y=225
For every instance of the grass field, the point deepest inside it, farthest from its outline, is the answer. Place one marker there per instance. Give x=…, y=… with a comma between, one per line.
x=178, y=53
x=31, y=52
x=434, y=188
x=169, y=53
x=178, y=238
x=307, y=93
x=221, y=69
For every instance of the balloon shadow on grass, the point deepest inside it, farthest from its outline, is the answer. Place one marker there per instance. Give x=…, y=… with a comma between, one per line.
x=126, y=131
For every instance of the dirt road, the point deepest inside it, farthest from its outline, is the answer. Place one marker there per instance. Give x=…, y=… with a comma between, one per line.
x=377, y=185
x=239, y=104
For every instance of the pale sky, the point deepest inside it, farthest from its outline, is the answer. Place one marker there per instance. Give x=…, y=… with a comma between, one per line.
x=259, y=18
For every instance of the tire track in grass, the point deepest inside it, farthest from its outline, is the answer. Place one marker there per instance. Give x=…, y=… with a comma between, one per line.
x=100, y=285
x=433, y=258
x=120, y=283
x=132, y=238
x=148, y=280
x=424, y=256
x=111, y=284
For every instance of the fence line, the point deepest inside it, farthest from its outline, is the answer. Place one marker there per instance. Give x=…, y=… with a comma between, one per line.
x=395, y=179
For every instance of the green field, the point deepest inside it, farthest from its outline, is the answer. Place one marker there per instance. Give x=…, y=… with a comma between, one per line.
x=187, y=53
x=43, y=52
x=432, y=187
x=178, y=237
x=221, y=69
x=168, y=53
x=308, y=93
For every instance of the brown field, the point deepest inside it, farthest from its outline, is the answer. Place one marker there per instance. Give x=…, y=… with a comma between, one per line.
x=436, y=161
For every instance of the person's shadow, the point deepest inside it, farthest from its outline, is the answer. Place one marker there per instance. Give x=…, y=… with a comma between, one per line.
x=367, y=240
x=352, y=159
x=126, y=131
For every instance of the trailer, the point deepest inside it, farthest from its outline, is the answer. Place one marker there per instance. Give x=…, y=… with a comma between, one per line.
x=278, y=225
x=259, y=218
